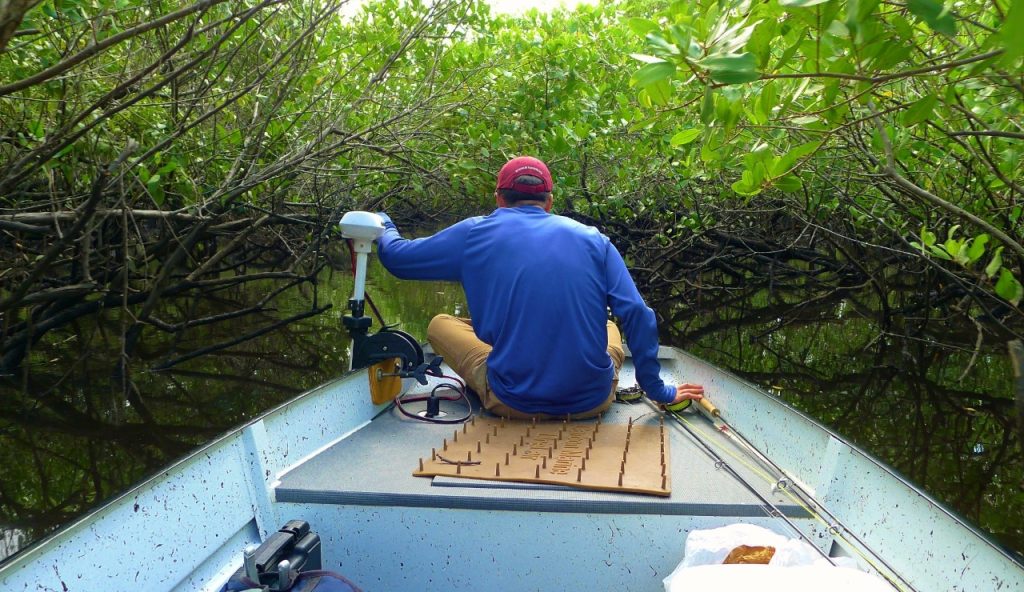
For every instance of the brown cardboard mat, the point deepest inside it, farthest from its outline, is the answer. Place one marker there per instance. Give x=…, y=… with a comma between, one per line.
x=609, y=457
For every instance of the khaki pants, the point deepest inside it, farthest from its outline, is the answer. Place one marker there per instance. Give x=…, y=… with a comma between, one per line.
x=454, y=339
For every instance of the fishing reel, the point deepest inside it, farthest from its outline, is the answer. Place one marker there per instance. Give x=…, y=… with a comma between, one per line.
x=390, y=354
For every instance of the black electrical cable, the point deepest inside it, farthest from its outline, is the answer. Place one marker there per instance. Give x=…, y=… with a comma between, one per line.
x=323, y=573
x=402, y=400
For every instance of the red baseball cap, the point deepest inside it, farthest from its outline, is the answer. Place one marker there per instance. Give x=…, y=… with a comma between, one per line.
x=525, y=165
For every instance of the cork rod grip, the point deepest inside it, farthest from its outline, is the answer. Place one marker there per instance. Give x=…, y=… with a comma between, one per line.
x=709, y=407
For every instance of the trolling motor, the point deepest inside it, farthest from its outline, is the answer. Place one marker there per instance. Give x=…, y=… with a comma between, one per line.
x=390, y=354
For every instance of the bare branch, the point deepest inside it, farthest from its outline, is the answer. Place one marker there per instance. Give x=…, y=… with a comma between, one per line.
x=95, y=49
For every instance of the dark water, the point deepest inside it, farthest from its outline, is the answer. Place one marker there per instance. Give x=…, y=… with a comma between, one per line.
x=70, y=438
x=921, y=399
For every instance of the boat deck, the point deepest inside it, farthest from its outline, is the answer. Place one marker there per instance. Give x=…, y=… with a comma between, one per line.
x=344, y=473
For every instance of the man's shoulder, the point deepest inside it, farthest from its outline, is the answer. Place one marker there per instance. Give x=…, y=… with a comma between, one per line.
x=580, y=228
x=465, y=224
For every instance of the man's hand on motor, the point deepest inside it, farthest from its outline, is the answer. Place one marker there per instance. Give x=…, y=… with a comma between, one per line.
x=688, y=391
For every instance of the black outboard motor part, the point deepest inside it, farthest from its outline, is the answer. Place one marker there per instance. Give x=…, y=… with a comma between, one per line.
x=363, y=228
x=277, y=563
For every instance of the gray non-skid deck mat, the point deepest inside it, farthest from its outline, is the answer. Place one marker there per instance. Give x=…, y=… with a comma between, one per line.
x=375, y=465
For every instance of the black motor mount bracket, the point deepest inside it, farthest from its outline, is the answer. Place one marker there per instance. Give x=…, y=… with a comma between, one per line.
x=386, y=344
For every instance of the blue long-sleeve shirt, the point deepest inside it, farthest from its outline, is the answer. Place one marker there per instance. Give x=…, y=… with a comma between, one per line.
x=538, y=287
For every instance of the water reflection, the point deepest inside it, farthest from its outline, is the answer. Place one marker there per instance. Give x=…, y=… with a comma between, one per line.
x=72, y=437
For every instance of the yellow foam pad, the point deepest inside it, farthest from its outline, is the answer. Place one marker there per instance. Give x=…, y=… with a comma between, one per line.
x=383, y=389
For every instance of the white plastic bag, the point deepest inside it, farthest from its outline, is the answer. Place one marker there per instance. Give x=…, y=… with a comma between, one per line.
x=765, y=578
x=795, y=567
x=795, y=552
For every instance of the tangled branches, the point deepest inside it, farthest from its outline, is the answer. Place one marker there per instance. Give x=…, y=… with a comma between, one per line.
x=147, y=155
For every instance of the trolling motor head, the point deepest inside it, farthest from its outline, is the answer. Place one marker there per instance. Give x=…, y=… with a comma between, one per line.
x=365, y=226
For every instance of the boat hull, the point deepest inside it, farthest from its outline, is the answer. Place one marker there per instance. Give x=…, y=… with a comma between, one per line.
x=184, y=528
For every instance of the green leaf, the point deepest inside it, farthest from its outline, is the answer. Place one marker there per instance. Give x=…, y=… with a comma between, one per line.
x=927, y=237
x=707, y=106
x=1011, y=34
x=647, y=59
x=652, y=73
x=935, y=14
x=661, y=46
x=789, y=53
x=156, y=190
x=642, y=26
x=977, y=248
x=660, y=92
x=731, y=62
x=37, y=128
x=996, y=264
x=788, y=183
x=169, y=167
x=645, y=99
x=839, y=29
x=760, y=43
x=857, y=11
x=786, y=161
x=558, y=145
x=767, y=101
x=920, y=111
x=680, y=36
x=735, y=77
x=940, y=253
x=801, y=3
x=686, y=136
x=709, y=155
x=1008, y=288
x=953, y=247
x=734, y=68
x=745, y=186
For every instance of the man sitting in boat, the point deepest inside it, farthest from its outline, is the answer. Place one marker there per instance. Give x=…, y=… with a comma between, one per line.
x=538, y=287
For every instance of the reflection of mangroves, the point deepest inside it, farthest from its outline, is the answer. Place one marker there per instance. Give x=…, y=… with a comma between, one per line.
x=874, y=375
x=1017, y=359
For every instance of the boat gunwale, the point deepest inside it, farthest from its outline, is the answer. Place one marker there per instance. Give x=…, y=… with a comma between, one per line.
x=1013, y=556
x=39, y=545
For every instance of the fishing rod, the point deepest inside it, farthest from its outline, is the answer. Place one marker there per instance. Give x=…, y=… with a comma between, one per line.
x=770, y=509
x=709, y=410
x=788, y=485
